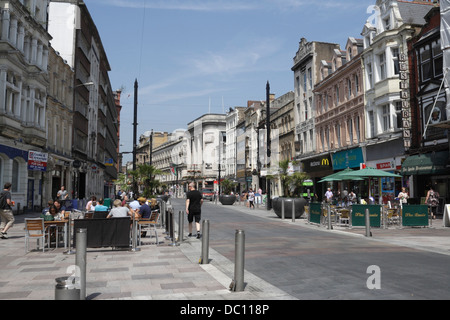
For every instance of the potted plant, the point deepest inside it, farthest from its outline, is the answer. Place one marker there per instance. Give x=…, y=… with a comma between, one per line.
x=292, y=185
x=226, y=198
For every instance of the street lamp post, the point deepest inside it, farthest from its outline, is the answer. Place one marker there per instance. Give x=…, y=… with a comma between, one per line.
x=269, y=201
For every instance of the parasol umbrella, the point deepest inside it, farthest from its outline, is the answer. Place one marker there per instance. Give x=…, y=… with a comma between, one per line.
x=372, y=173
x=339, y=176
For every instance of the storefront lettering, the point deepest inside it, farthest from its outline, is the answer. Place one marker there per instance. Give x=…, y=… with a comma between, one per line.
x=404, y=94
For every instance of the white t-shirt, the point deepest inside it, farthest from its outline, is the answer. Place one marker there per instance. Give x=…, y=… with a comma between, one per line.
x=119, y=212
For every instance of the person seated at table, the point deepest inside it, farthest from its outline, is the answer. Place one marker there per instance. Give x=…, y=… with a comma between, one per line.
x=61, y=210
x=145, y=210
x=90, y=206
x=118, y=211
x=45, y=210
x=352, y=198
x=100, y=206
x=135, y=204
x=50, y=214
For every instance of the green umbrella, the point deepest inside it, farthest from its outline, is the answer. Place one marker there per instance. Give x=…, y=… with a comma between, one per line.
x=339, y=176
x=372, y=173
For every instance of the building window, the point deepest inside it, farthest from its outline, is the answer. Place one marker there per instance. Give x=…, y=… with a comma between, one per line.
x=425, y=62
x=310, y=78
x=356, y=84
x=15, y=176
x=305, y=88
x=382, y=65
x=370, y=75
x=350, y=130
x=336, y=88
x=395, y=59
x=398, y=111
x=371, y=124
x=437, y=58
x=338, y=135
x=349, y=84
x=358, y=130
x=386, y=118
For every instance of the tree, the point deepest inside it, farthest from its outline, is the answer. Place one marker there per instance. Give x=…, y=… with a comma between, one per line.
x=144, y=175
x=292, y=185
x=227, y=186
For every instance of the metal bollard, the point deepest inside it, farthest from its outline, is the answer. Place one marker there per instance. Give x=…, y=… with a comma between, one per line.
x=134, y=236
x=330, y=227
x=238, y=283
x=282, y=209
x=367, y=216
x=293, y=210
x=180, y=226
x=205, y=242
x=80, y=260
x=69, y=236
x=172, y=229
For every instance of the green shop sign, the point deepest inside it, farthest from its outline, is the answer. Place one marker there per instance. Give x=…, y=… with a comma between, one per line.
x=315, y=211
x=415, y=215
x=359, y=215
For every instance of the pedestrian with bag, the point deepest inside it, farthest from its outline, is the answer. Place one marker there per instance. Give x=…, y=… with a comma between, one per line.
x=6, y=214
x=432, y=200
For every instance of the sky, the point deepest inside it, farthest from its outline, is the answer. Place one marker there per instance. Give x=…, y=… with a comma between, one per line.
x=193, y=57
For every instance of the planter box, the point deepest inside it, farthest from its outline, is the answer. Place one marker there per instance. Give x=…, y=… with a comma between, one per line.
x=299, y=207
x=227, y=200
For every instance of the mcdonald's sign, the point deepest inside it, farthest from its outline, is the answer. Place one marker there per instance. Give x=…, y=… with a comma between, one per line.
x=318, y=164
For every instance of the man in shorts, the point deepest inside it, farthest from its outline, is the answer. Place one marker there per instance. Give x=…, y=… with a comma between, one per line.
x=194, y=201
x=6, y=214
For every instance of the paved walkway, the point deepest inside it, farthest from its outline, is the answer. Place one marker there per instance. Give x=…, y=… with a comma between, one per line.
x=165, y=272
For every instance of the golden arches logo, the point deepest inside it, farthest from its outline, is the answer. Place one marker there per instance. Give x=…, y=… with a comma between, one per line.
x=325, y=162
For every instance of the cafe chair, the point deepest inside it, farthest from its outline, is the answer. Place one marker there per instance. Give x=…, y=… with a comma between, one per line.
x=149, y=224
x=34, y=229
x=393, y=216
x=89, y=215
x=344, y=217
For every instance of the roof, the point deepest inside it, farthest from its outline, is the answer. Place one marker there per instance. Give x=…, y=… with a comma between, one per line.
x=414, y=12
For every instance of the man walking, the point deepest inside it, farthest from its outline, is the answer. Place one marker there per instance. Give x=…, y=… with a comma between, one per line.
x=194, y=201
x=6, y=213
x=62, y=194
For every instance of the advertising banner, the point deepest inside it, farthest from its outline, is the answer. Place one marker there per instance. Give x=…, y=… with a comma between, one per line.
x=315, y=211
x=415, y=216
x=359, y=215
x=37, y=161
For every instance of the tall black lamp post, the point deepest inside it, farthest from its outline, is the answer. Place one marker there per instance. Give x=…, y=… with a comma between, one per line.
x=269, y=200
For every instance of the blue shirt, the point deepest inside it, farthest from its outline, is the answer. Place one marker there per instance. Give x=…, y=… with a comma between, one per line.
x=145, y=211
x=101, y=207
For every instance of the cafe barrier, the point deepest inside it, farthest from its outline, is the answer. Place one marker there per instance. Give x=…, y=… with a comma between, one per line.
x=315, y=211
x=238, y=283
x=358, y=213
x=415, y=216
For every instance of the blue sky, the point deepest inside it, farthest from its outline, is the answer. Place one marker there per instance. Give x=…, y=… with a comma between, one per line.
x=192, y=57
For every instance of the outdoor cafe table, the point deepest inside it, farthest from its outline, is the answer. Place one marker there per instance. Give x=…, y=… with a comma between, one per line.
x=57, y=224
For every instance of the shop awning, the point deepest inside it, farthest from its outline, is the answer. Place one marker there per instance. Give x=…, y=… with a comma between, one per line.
x=430, y=163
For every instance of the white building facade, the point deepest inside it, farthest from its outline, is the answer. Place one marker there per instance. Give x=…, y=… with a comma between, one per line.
x=24, y=47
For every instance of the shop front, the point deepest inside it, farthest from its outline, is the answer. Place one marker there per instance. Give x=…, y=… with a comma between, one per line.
x=386, y=156
x=317, y=168
x=424, y=170
x=352, y=159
